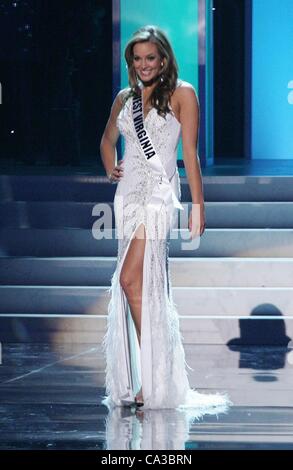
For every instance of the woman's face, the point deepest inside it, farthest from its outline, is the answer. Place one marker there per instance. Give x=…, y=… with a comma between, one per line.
x=146, y=60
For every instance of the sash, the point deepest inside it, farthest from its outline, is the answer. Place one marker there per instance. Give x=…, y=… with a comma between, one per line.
x=163, y=192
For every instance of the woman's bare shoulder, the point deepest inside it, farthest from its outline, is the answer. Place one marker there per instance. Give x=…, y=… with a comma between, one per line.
x=182, y=86
x=119, y=102
x=185, y=90
x=121, y=95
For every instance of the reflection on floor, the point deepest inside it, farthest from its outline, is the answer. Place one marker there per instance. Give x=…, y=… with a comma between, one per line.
x=50, y=398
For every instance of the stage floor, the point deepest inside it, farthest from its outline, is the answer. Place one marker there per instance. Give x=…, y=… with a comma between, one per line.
x=51, y=394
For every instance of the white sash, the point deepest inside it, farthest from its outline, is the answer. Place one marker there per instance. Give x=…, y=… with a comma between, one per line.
x=162, y=191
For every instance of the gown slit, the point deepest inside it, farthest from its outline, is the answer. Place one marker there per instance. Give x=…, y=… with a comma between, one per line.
x=130, y=352
x=132, y=349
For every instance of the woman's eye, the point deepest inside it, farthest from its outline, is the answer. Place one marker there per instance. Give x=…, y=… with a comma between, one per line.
x=149, y=58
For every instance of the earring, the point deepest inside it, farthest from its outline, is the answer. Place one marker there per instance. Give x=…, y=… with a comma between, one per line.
x=162, y=78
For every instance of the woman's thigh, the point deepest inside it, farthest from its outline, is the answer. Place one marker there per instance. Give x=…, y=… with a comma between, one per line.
x=132, y=269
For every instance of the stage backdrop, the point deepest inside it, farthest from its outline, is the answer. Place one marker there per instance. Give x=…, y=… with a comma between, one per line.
x=272, y=79
x=185, y=25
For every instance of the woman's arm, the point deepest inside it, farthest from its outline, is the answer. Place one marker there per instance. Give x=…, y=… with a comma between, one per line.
x=109, y=139
x=189, y=118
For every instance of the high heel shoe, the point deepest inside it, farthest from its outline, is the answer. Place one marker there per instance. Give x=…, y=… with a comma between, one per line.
x=138, y=403
x=139, y=399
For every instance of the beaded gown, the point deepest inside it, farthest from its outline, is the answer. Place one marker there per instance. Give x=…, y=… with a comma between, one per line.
x=158, y=365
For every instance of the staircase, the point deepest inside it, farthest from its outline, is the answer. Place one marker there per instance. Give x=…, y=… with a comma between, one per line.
x=235, y=289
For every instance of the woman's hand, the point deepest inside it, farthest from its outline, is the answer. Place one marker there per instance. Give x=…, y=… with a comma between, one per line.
x=117, y=173
x=196, y=221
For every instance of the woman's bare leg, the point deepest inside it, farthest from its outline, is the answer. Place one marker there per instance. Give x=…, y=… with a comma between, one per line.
x=131, y=276
x=131, y=279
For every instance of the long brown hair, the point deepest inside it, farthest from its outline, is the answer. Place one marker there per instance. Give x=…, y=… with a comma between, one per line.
x=161, y=94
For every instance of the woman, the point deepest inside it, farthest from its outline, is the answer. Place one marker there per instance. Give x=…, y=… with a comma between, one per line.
x=144, y=353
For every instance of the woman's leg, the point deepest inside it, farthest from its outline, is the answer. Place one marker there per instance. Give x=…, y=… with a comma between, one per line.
x=131, y=276
x=131, y=279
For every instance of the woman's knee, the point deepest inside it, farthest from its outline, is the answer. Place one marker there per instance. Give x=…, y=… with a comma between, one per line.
x=128, y=281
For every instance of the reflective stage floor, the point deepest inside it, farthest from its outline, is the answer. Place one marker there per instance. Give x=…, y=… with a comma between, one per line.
x=50, y=397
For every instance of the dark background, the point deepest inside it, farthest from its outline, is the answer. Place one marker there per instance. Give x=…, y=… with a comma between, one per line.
x=56, y=74
x=55, y=69
x=232, y=42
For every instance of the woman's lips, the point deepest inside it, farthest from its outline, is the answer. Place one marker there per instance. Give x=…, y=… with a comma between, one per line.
x=146, y=72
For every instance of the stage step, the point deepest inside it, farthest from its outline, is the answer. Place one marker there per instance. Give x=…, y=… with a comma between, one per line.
x=191, y=301
x=88, y=188
x=185, y=272
x=229, y=330
x=81, y=242
x=42, y=215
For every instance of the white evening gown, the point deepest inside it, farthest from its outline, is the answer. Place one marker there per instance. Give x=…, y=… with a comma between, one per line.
x=159, y=366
